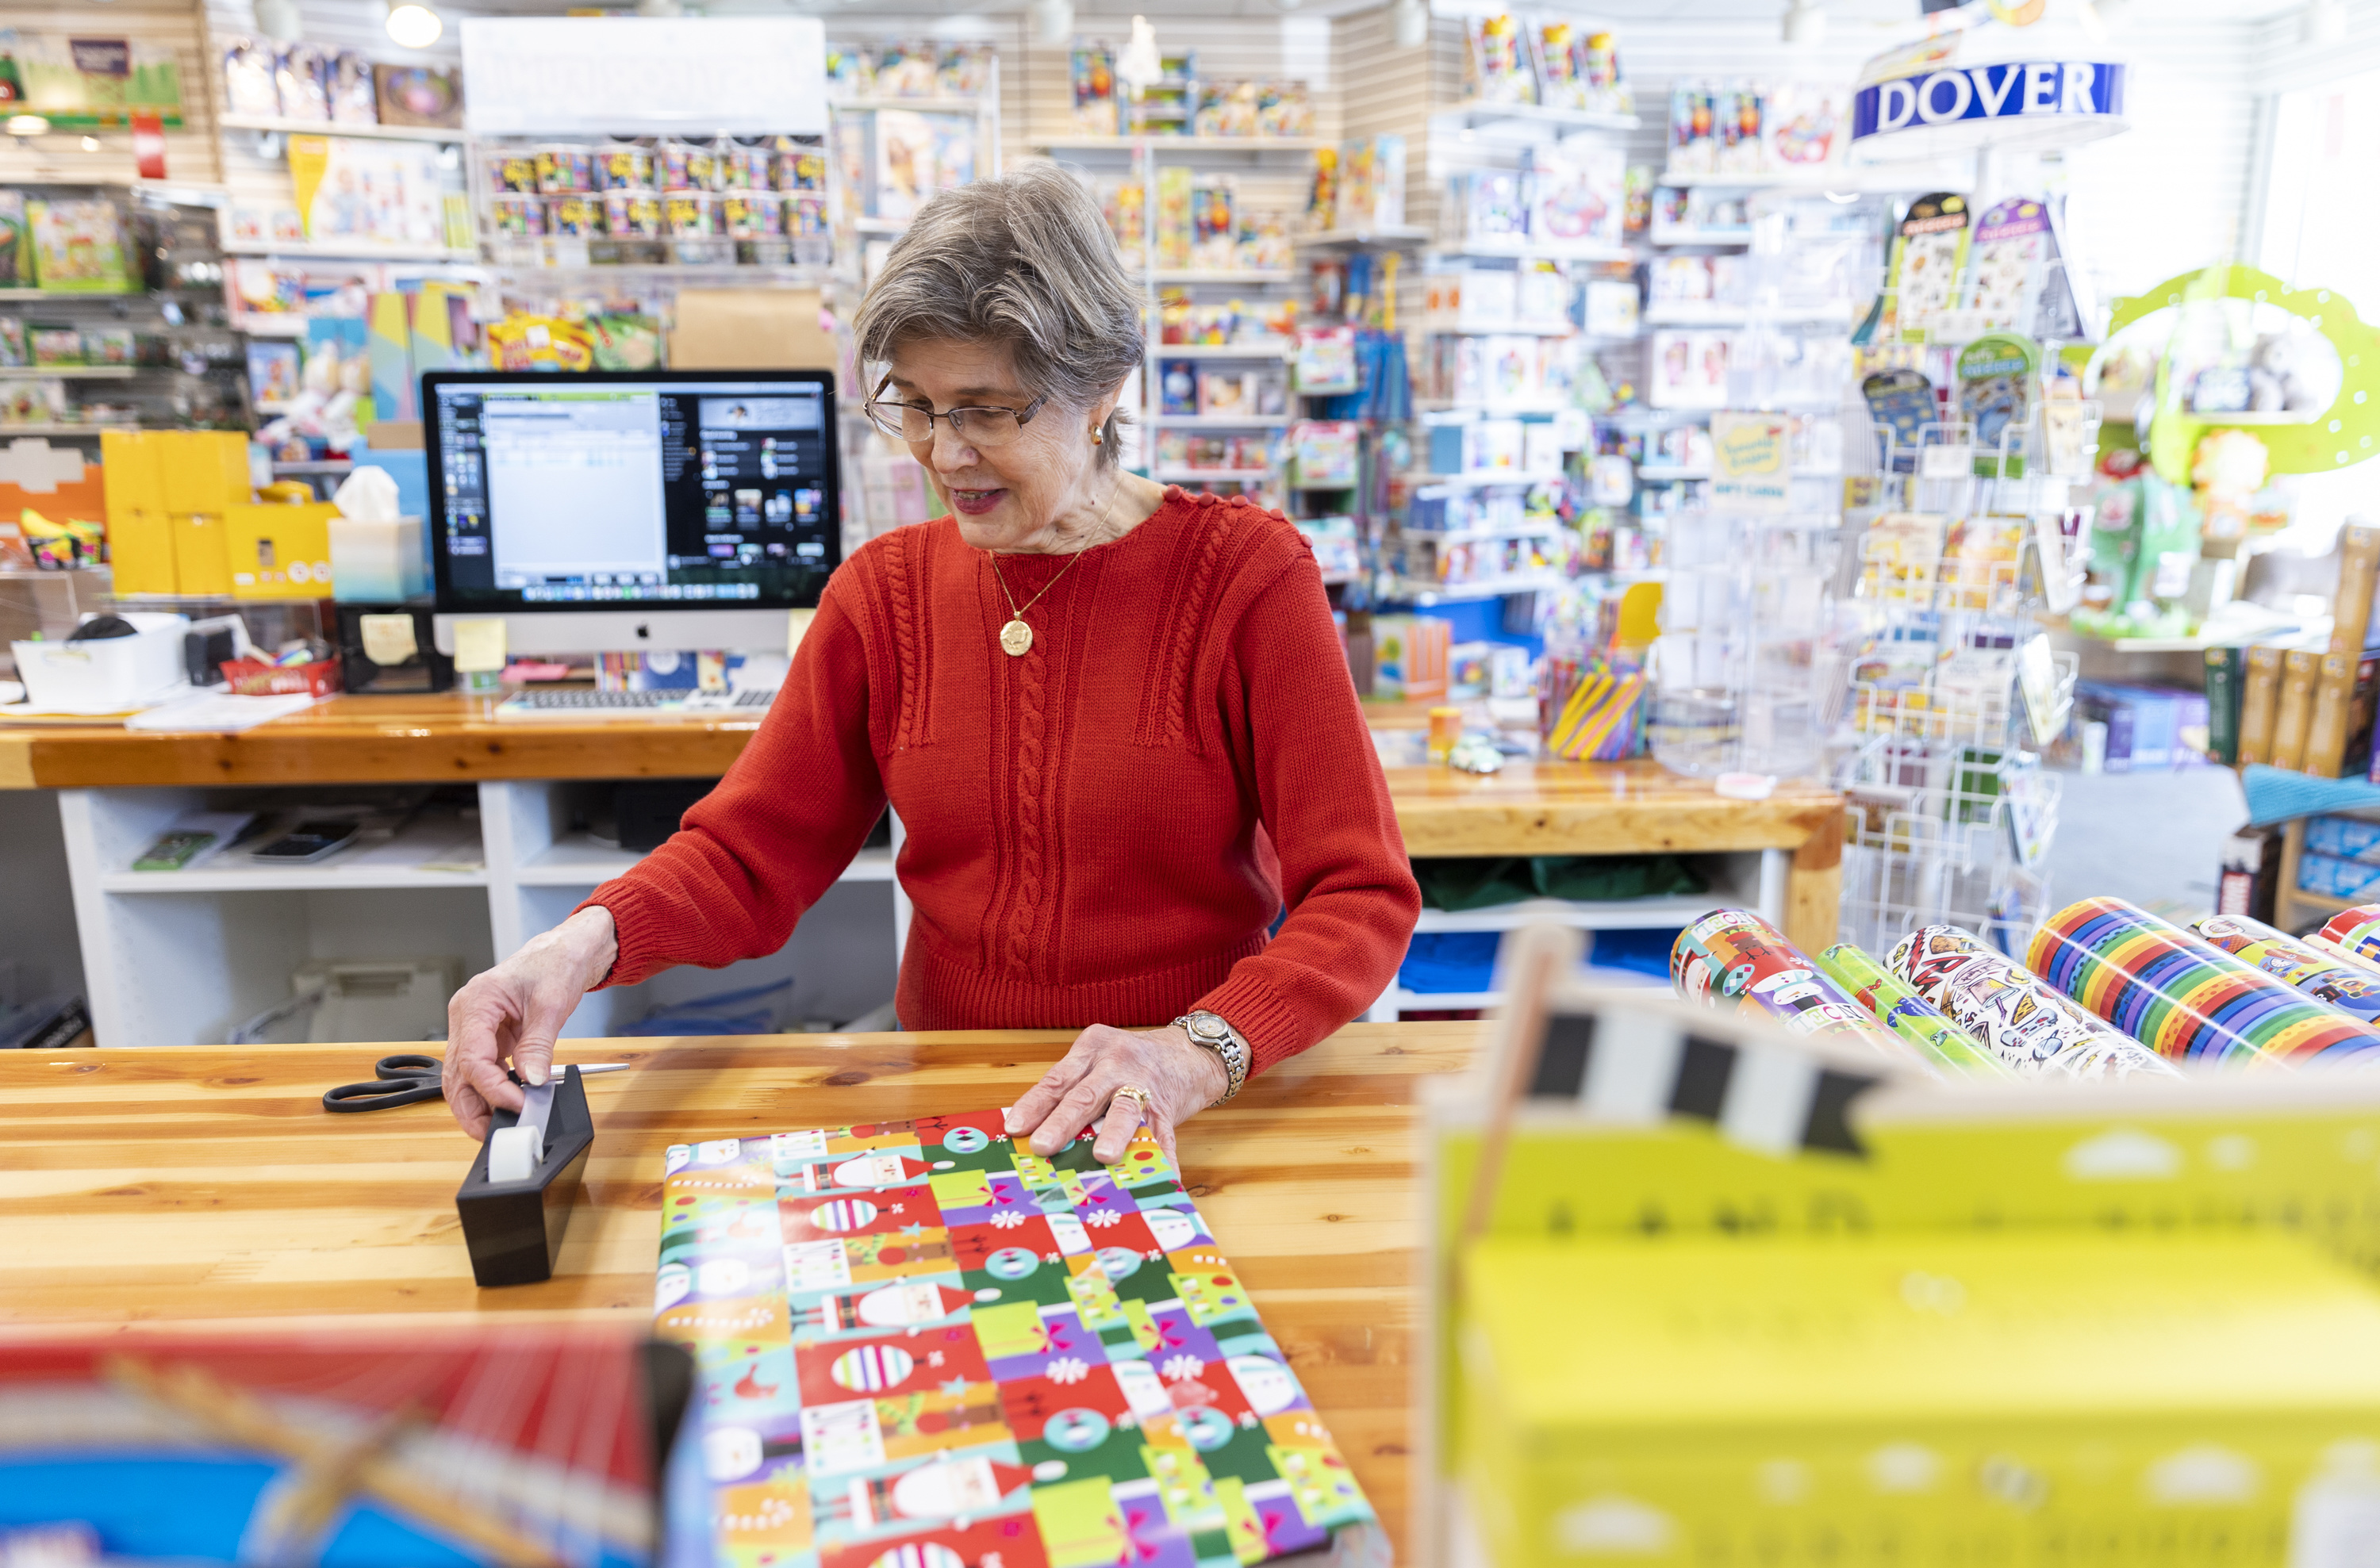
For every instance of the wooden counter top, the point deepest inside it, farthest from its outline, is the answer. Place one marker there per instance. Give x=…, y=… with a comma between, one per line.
x=176, y=1185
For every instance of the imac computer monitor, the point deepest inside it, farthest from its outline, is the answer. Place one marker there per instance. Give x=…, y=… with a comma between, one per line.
x=612, y=512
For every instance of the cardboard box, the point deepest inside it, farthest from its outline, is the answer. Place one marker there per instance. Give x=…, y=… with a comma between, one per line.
x=202, y=470
x=140, y=532
x=2259, y=697
x=751, y=330
x=279, y=552
x=2293, y=715
x=202, y=559
x=2338, y=740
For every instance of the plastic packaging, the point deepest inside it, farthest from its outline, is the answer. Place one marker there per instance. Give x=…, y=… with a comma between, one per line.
x=2012, y=1012
x=2185, y=999
x=1733, y=959
x=1905, y=1013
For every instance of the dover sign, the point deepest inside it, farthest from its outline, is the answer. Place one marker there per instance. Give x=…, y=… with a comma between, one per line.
x=2005, y=89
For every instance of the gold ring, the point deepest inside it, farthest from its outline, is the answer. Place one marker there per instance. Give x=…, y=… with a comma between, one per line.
x=1136, y=1094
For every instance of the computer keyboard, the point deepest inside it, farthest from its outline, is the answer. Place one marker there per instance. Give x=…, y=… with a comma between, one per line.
x=584, y=704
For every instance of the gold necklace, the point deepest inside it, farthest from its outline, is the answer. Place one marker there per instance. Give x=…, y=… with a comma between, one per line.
x=1017, y=637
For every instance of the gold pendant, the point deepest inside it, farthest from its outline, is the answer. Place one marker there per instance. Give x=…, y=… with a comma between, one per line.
x=1017, y=637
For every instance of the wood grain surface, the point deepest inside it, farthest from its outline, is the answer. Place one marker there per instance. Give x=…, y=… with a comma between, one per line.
x=180, y=1185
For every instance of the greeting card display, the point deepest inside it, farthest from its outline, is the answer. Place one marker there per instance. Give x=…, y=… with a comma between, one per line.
x=918, y=1342
x=2007, y=259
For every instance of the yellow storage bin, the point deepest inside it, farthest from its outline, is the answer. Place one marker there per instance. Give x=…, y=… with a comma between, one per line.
x=280, y=552
x=140, y=532
x=1912, y=1399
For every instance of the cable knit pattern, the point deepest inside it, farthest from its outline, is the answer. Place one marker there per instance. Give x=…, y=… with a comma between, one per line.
x=1102, y=831
x=901, y=604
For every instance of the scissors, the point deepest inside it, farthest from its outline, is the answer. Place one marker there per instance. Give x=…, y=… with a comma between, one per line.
x=408, y=1079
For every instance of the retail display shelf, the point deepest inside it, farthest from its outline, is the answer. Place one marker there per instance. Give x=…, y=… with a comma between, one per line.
x=668, y=272
x=1208, y=275
x=1871, y=178
x=1387, y=233
x=1209, y=476
x=90, y=428
x=1442, y=328
x=76, y=372
x=1219, y=421
x=1665, y=235
x=1706, y=313
x=879, y=225
x=434, y=852
x=1525, y=250
x=1426, y=595
x=1619, y=914
x=1276, y=348
x=578, y=860
x=1474, y=115
x=1164, y=144
x=325, y=466
x=1484, y=408
x=922, y=106
x=1668, y=471
x=309, y=249
x=196, y=193
x=1539, y=528
x=327, y=127
x=1487, y=477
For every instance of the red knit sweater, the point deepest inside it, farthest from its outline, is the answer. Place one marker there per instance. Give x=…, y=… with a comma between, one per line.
x=1092, y=828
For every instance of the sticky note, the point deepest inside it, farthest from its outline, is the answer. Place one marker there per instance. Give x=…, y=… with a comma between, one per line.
x=478, y=646
x=797, y=622
x=388, y=639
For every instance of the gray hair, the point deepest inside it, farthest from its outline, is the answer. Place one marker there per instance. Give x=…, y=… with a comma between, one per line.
x=1025, y=261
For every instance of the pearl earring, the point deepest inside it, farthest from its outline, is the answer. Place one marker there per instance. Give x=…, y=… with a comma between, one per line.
x=1097, y=438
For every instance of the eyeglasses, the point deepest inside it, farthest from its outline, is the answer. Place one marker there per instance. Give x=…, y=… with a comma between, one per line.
x=914, y=422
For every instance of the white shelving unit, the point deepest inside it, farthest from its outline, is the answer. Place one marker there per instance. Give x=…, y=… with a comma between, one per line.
x=182, y=957
x=273, y=123
x=1755, y=878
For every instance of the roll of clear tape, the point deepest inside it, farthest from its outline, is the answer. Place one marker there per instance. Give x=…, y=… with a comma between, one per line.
x=513, y=1154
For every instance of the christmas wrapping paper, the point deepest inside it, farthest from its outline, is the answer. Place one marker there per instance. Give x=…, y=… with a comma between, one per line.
x=1916, y=1021
x=2011, y=1012
x=920, y=1345
x=2349, y=986
x=2185, y=999
x=1732, y=959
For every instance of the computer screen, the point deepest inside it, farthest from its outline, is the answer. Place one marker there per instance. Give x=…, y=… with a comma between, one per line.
x=632, y=490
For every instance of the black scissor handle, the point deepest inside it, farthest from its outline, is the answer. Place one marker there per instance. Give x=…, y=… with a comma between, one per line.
x=407, y=1066
x=397, y=1089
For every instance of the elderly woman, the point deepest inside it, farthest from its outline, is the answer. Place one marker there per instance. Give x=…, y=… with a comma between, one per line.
x=1115, y=721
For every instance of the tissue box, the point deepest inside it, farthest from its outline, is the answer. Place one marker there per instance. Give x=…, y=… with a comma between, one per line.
x=378, y=562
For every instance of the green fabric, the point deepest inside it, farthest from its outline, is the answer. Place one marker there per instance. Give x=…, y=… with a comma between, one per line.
x=1482, y=883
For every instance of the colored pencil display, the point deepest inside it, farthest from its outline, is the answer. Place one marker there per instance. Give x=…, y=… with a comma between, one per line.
x=2183, y=997
x=2011, y=1011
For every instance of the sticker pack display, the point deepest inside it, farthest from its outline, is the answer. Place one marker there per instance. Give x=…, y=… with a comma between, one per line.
x=1902, y=402
x=1734, y=960
x=2011, y=1012
x=1928, y=258
x=1995, y=391
x=919, y=1344
x=2009, y=256
x=2185, y=999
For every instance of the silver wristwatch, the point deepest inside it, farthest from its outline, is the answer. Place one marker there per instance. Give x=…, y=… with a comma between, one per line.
x=1210, y=1032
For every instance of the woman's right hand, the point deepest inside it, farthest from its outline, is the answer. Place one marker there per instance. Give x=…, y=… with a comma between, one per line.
x=512, y=1013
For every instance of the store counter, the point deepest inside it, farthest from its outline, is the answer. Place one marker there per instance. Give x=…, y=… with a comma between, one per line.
x=1551, y=808
x=165, y=1187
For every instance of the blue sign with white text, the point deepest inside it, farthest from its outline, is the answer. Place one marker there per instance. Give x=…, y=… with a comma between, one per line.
x=2007, y=90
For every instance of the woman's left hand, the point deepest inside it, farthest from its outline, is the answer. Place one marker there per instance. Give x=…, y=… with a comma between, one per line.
x=1079, y=1091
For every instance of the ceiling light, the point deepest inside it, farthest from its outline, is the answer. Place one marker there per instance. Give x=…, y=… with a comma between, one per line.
x=2323, y=23
x=413, y=26
x=91, y=144
x=1411, y=19
x=1053, y=21
x=1805, y=23
x=28, y=124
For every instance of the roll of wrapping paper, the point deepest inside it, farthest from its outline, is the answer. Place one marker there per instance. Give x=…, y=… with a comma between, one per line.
x=1916, y=1021
x=2341, y=982
x=1597, y=719
x=2183, y=997
x=2011, y=1012
x=1734, y=960
x=2356, y=930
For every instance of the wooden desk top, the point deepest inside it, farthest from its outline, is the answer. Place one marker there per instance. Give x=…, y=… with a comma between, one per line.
x=174, y=1185
x=1530, y=808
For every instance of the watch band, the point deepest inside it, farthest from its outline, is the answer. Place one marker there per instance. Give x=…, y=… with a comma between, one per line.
x=1211, y=1031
